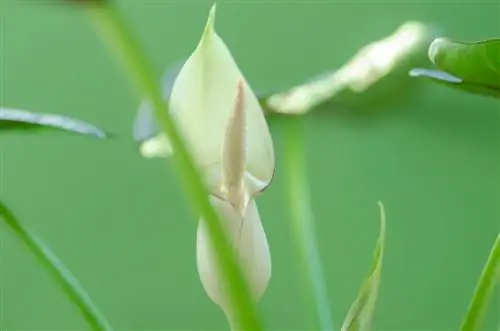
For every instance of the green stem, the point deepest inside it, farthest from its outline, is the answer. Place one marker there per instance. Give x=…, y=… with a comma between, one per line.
x=484, y=289
x=114, y=30
x=58, y=271
x=303, y=222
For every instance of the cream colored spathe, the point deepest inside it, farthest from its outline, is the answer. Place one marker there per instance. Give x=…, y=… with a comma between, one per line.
x=224, y=126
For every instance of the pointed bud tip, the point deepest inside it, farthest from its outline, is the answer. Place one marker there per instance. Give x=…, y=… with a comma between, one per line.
x=210, y=26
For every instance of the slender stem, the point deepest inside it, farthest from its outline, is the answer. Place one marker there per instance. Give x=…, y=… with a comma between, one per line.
x=489, y=276
x=114, y=30
x=303, y=222
x=58, y=271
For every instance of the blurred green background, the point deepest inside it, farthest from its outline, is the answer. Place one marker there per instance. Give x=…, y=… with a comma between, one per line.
x=121, y=226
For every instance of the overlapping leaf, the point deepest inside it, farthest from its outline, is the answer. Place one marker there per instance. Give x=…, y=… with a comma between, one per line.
x=473, y=67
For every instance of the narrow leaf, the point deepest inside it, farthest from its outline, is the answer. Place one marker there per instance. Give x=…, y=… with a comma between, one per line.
x=476, y=66
x=360, y=315
x=302, y=223
x=19, y=119
x=57, y=270
x=482, y=295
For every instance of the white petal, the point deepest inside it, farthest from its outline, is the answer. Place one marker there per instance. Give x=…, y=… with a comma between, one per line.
x=202, y=98
x=248, y=237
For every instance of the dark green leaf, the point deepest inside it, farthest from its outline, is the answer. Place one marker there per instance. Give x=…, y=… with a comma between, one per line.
x=473, y=67
x=19, y=119
x=360, y=316
x=56, y=268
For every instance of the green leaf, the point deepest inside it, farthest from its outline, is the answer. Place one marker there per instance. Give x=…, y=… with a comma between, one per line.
x=57, y=270
x=302, y=223
x=484, y=289
x=472, y=67
x=19, y=119
x=360, y=315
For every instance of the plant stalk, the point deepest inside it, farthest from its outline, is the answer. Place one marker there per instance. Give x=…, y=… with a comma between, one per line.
x=303, y=222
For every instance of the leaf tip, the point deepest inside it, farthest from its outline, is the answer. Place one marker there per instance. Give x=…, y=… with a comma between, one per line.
x=435, y=47
x=382, y=217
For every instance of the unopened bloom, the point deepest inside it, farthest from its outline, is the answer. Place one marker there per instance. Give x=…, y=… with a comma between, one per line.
x=225, y=128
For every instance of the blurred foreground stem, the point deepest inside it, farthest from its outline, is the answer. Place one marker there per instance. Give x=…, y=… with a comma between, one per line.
x=113, y=30
x=303, y=222
x=58, y=271
x=484, y=289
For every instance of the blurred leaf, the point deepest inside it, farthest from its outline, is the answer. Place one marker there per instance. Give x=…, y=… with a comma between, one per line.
x=57, y=270
x=472, y=67
x=375, y=74
x=360, y=315
x=18, y=119
x=302, y=224
x=482, y=295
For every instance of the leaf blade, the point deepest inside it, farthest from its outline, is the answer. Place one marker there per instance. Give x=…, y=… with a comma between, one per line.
x=475, y=64
x=58, y=271
x=484, y=289
x=302, y=223
x=360, y=315
x=15, y=118
x=446, y=79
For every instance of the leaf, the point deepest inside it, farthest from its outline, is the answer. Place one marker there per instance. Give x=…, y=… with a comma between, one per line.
x=19, y=119
x=57, y=270
x=375, y=74
x=360, y=315
x=472, y=67
x=484, y=289
x=446, y=79
x=302, y=224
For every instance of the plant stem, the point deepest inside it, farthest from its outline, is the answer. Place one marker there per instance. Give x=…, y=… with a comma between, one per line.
x=114, y=30
x=303, y=222
x=58, y=271
x=483, y=291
